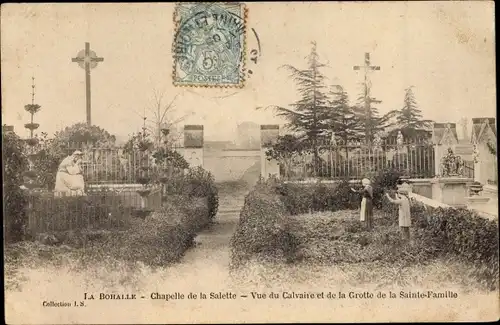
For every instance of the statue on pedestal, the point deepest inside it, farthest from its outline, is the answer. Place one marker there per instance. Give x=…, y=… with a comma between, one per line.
x=451, y=164
x=333, y=141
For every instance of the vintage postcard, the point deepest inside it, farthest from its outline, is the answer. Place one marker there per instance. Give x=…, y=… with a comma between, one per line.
x=231, y=162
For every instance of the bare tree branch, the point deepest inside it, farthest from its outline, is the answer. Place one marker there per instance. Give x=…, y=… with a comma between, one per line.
x=167, y=108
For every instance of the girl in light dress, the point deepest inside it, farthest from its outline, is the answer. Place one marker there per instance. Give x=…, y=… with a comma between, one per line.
x=403, y=200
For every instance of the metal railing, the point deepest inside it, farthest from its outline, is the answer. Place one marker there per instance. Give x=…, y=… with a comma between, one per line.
x=357, y=161
x=115, y=165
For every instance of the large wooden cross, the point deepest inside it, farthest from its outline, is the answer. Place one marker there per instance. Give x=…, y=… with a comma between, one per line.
x=87, y=60
x=367, y=98
x=367, y=68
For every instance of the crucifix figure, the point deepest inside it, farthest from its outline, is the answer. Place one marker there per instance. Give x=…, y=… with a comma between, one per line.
x=366, y=87
x=87, y=60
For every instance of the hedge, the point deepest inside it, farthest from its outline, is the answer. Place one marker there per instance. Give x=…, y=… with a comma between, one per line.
x=197, y=183
x=160, y=239
x=262, y=228
x=460, y=232
x=165, y=236
x=300, y=199
x=14, y=163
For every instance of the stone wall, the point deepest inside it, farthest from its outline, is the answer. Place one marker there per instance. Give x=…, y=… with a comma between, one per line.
x=233, y=165
x=422, y=186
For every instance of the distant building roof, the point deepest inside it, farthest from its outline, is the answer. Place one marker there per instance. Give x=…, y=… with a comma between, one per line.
x=480, y=127
x=444, y=132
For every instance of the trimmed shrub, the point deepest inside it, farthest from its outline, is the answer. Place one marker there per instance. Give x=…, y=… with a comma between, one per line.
x=198, y=183
x=344, y=198
x=386, y=179
x=163, y=237
x=459, y=232
x=14, y=163
x=201, y=183
x=262, y=228
x=299, y=199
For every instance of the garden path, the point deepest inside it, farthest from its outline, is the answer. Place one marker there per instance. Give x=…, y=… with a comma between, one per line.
x=213, y=244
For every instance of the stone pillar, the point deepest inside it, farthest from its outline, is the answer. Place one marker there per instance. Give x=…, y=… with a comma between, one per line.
x=451, y=190
x=193, y=145
x=444, y=136
x=268, y=136
x=485, y=163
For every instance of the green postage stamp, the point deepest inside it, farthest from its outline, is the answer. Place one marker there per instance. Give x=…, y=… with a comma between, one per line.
x=209, y=44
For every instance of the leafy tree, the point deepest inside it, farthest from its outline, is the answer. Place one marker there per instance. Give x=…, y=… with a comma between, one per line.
x=409, y=119
x=138, y=141
x=175, y=159
x=141, y=148
x=345, y=122
x=309, y=115
x=83, y=133
x=49, y=154
x=368, y=115
x=285, y=149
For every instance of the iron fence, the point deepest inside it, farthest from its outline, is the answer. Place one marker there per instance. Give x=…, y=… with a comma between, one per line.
x=117, y=165
x=114, y=179
x=101, y=208
x=417, y=160
x=469, y=169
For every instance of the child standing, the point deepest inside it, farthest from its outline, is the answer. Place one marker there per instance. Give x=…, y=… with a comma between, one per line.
x=366, y=211
x=403, y=200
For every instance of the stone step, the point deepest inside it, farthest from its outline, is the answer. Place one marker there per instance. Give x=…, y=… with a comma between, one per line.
x=231, y=201
x=230, y=206
x=229, y=211
x=234, y=204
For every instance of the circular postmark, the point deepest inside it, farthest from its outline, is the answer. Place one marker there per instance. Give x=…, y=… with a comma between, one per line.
x=209, y=44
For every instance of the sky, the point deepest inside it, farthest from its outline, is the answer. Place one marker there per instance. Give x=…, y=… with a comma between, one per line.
x=444, y=50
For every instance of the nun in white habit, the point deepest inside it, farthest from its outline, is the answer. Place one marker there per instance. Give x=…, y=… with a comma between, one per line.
x=69, y=177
